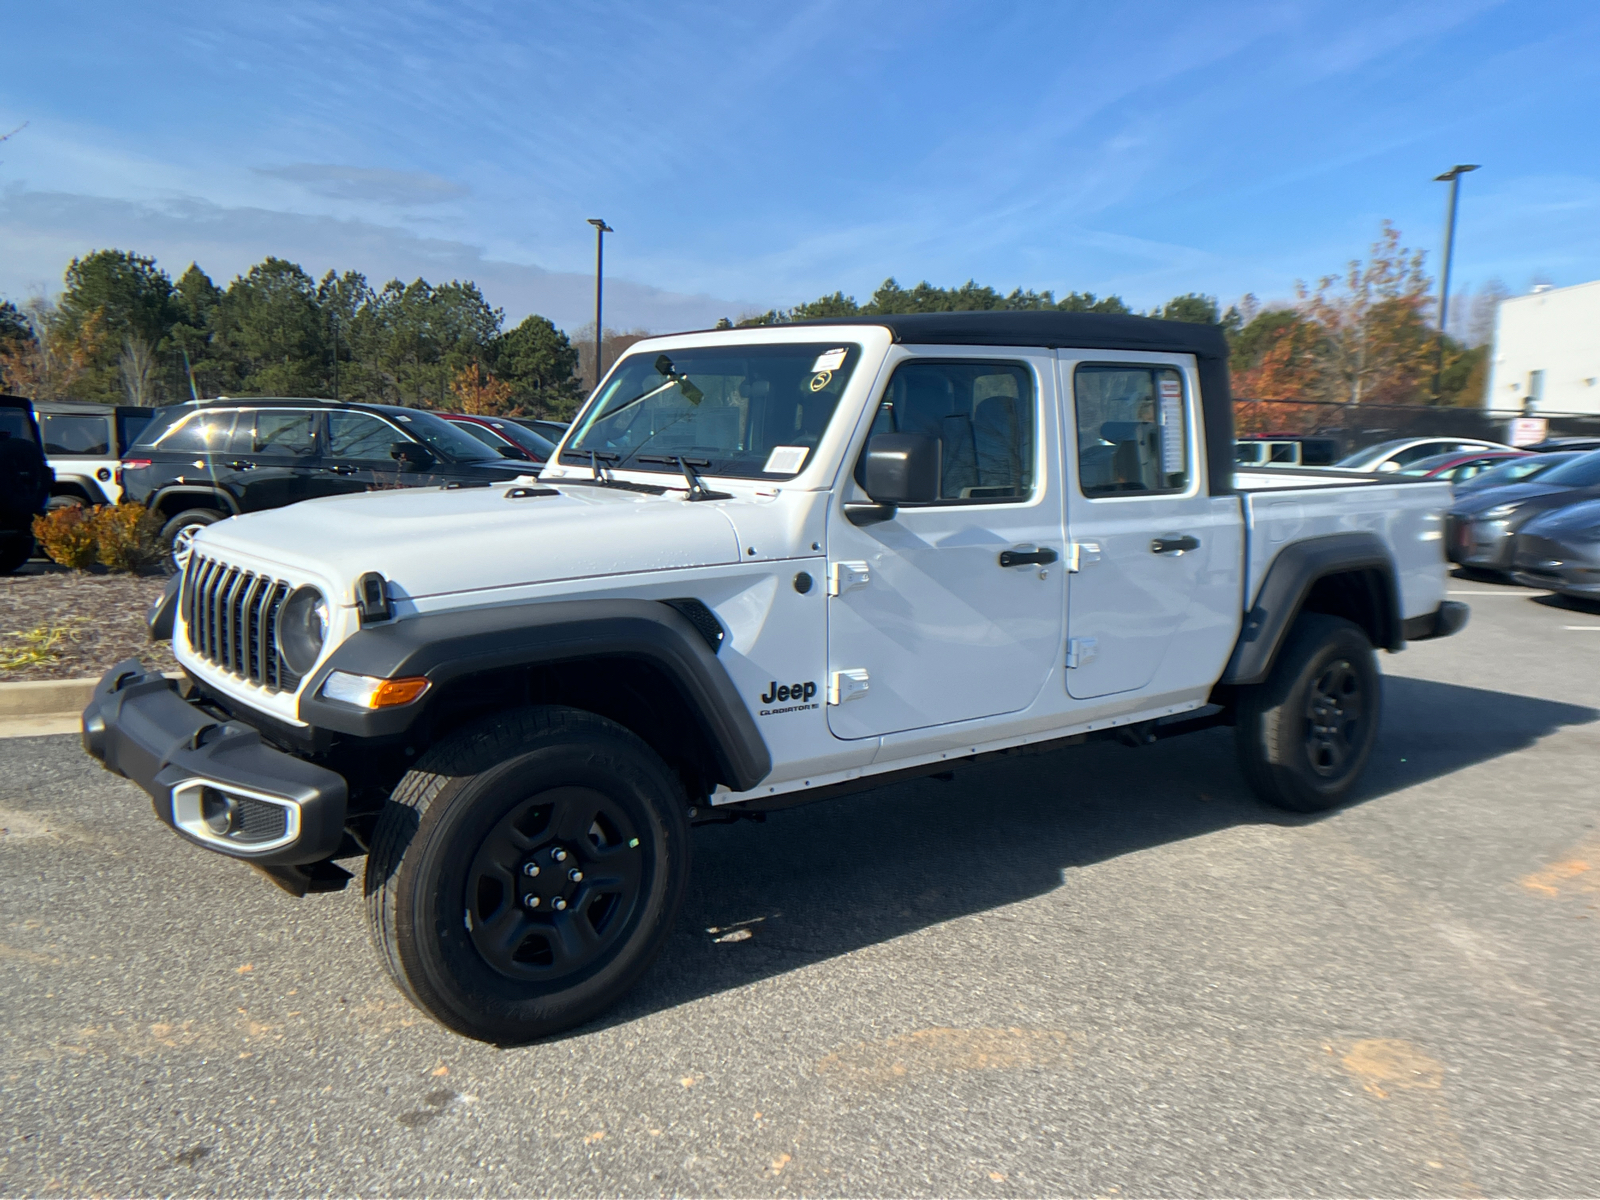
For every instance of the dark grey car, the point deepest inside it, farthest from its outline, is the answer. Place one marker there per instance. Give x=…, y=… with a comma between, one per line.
x=1560, y=550
x=1481, y=526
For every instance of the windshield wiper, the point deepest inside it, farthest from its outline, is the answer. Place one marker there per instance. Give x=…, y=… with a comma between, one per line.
x=596, y=457
x=697, y=488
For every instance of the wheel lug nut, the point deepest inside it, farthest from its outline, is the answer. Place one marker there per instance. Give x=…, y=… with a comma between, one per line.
x=575, y=875
x=531, y=901
x=559, y=854
x=559, y=904
x=530, y=869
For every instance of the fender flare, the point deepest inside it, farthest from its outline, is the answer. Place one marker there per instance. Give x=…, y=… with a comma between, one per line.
x=87, y=484
x=185, y=489
x=445, y=647
x=1289, y=581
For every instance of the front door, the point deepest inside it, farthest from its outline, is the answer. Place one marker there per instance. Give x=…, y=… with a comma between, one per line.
x=926, y=624
x=1145, y=534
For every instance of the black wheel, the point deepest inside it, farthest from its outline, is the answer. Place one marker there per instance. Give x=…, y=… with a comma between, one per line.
x=525, y=874
x=59, y=502
x=14, y=551
x=177, y=533
x=1305, y=734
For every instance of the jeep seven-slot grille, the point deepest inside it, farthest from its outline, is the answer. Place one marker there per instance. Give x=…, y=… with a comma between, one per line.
x=232, y=618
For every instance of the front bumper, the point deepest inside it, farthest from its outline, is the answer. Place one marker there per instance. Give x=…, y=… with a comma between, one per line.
x=1571, y=568
x=1486, y=545
x=213, y=781
x=1450, y=617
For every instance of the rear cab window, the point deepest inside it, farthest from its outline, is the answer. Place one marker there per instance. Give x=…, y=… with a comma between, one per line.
x=85, y=435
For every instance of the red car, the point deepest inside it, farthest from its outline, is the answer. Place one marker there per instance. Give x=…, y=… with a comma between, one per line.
x=508, y=437
x=1460, y=465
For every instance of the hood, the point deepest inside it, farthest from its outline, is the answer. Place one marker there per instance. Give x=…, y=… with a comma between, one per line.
x=1580, y=518
x=431, y=541
x=1511, y=493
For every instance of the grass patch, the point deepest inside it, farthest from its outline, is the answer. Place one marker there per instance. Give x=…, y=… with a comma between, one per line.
x=40, y=646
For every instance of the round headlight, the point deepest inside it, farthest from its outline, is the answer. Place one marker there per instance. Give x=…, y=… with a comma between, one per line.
x=302, y=628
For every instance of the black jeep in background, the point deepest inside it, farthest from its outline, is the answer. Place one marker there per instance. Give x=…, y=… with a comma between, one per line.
x=24, y=481
x=199, y=463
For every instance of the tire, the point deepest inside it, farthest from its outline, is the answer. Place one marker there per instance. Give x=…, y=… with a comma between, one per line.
x=176, y=533
x=59, y=502
x=14, y=551
x=1304, y=734
x=447, y=884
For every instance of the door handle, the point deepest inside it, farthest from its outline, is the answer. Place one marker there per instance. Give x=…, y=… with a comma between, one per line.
x=1174, y=545
x=239, y=464
x=1021, y=558
x=342, y=470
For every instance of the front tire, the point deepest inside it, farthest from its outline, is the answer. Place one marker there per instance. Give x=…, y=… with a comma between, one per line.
x=1304, y=735
x=178, y=533
x=526, y=873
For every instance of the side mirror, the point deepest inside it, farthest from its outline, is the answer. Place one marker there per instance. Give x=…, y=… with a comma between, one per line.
x=412, y=456
x=898, y=468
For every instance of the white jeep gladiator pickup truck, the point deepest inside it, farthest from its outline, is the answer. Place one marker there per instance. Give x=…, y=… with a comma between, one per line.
x=768, y=565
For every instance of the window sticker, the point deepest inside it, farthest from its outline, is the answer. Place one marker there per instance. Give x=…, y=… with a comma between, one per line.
x=821, y=380
x=831, y=361
x=786, y=460
x=1171, y=427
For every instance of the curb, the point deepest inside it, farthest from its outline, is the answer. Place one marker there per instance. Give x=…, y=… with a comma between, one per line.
x=45, y=697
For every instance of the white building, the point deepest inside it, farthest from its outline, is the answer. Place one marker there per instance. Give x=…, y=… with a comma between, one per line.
x=1547, y=352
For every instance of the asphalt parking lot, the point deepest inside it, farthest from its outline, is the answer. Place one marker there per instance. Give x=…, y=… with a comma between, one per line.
x=1102, y=972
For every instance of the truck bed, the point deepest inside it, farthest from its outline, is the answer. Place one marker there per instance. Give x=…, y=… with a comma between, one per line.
x=1282, y=505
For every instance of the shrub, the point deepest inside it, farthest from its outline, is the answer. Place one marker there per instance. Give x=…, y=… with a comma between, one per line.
x=67, y=535
x=122, y=537
x=126, y=536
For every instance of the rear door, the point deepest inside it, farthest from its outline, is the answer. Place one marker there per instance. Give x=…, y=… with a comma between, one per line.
x=928, y=620
x=1155, y=555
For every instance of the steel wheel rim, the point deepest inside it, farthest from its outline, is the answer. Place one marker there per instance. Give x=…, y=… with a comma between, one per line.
x=560, y=832
x=1335, y=715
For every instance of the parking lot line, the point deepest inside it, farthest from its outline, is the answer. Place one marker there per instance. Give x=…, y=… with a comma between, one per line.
x=1502, y=592
x=1583, y=628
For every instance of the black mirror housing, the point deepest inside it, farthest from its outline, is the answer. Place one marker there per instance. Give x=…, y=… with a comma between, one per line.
x=902, y=468
x=411, y=454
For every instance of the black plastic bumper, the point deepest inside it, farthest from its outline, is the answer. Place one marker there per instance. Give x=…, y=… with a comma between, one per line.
x=142, y=729
x=1450, y=617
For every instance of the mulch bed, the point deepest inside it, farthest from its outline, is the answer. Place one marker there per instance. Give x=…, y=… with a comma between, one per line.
x=74, y=624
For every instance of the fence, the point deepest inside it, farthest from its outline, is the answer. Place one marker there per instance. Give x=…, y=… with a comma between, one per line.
x=1354, y=426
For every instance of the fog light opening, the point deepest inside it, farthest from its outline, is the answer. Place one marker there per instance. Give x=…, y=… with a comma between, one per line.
x=219, y=811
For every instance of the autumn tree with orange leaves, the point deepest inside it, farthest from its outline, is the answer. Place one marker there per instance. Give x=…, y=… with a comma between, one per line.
x=479, y=393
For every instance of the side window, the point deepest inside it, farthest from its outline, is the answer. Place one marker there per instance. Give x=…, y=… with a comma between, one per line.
x=76, y=434
x=360, y=435
x=1426, y=450
x=204, y=433
x=982, y=413
x=276, y=433
x=1132, y=430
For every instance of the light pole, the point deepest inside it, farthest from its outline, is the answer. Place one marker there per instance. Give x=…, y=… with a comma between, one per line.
x=1453, y=178
x=600, y=231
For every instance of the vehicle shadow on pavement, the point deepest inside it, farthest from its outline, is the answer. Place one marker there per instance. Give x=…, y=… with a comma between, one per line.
x=815, y=882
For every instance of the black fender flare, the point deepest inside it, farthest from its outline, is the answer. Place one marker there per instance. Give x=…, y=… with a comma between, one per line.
x=1289, y=581
x=187, y=489
x=445, y=647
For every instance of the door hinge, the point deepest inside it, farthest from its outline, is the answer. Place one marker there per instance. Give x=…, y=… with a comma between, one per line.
x=1080, y=651
x=842, y=576
x=1079, y=553
x=848, y=684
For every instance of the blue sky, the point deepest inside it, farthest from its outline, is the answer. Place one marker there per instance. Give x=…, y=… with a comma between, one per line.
x=760, y=155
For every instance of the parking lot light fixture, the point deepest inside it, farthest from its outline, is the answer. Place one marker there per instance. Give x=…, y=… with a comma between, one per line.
x=600, y=231
x=1453, y=178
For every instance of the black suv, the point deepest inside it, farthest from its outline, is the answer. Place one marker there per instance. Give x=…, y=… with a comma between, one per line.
x=24, y=481
x=198, y=463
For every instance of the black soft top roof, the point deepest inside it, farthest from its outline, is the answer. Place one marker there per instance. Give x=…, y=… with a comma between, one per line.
x=1090, y=331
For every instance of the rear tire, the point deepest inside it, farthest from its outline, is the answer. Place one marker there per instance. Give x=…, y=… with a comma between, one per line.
x=471, y=897
x=177, y=533
x=1304, y=735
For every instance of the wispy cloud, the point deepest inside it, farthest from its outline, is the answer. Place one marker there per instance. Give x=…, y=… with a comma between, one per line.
x=375, y=184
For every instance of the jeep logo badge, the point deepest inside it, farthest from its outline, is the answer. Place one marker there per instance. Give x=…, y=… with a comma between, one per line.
x=796, y=697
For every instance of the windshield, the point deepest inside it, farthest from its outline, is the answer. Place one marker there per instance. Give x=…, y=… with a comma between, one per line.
x=752, y=412
x=1365, y=458
x=438, y=435
x=1520, y=470
x=1583, y=471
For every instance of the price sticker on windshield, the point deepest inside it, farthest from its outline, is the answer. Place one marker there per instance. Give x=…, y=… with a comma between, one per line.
x=786, y=460
x=831, y=361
